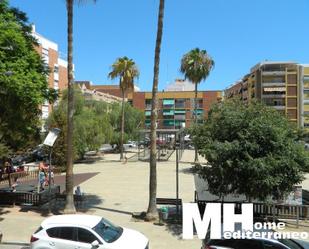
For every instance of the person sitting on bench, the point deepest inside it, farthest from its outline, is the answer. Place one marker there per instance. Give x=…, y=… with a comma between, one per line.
x=78, y=191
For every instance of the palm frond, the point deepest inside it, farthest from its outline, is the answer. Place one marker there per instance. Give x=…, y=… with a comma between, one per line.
x=126, y=70
x=196, y=65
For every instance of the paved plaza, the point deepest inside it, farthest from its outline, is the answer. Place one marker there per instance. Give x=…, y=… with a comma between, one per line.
x=116, y=192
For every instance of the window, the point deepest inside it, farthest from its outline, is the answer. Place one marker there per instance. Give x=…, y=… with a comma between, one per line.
x=108, y=231
x=53, y=232
x=270, y=245
x=290, y=243
x=148, y=103
x=238, y=243
x=56, y=69
x=39, y=229
x=180, y=103
x=66, y=233
x=45, y=55
x=249, y=243
x=56, y=84
x=85, y=236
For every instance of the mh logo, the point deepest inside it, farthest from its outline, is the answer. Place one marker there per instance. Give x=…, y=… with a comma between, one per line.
x=212, y=217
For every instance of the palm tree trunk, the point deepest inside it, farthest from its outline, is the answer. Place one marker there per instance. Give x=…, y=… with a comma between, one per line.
x=195, y=122
x=69, y=184
x=152, y=212
x=122, y=126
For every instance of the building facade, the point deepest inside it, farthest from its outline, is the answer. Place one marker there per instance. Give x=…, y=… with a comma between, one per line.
x=282, y=85
x=58, y=76
x=175, y=105
x=175, y=108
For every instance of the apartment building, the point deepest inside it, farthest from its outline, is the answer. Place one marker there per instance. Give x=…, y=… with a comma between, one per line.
x=175, y=103
x=57, y=78
x=92, y=94
x=283, y=85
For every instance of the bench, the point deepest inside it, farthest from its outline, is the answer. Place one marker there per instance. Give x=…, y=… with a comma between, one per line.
x=78, y=199
x=169, y=201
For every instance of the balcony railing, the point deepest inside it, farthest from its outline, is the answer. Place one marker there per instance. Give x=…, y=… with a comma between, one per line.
x=272, y=83
x=274, y=95
x=273, y=72
x=278, y=107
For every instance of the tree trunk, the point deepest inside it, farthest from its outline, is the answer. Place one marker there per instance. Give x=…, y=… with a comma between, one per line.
x=152, y=212
x=69, y=184
x=195, y=122
x=122, y=126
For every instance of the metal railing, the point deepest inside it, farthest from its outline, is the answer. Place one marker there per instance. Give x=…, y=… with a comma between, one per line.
x=268, y=210
x=23, y=176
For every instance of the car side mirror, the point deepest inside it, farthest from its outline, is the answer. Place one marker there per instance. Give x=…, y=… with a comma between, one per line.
x=95, y=244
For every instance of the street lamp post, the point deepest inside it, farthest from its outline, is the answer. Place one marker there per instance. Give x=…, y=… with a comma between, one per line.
x=49, y=141
x=177, y=173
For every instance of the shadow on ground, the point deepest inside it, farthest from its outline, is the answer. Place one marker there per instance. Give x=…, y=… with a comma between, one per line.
x=189, y=171
x=57, y=206
x=113, y=210
x=2, y=212
x=174, y=227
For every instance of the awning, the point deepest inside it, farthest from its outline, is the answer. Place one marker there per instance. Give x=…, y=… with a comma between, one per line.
x=168, y=101
x=168, y=112
x=274, y=89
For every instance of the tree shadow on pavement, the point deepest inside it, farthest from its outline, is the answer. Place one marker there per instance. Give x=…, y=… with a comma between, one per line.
x=174, y=223
x=189, y=171
x=3, y=212
x=57, y=206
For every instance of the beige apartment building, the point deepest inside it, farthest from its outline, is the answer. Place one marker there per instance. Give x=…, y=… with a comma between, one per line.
x=283, y=85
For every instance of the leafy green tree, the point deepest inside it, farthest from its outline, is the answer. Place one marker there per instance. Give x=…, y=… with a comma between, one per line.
x=126, y=70
x=251, y=150
x=196, y=66
x=23, y=84
x=152, y=213
x=92, y=126
x=134, y=121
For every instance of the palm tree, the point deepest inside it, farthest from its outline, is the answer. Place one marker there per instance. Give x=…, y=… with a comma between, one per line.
x=69, y=184
x=127, y=71
x=152, y=212
x=196, y=66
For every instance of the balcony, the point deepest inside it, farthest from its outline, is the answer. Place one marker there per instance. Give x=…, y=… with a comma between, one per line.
x=278, y=107
x=274, y=95
x=271, y=84
x=180, y=117
x=273, y=72
x=168, y=112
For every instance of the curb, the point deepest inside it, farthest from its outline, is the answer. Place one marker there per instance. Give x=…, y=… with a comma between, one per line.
x=18, y=243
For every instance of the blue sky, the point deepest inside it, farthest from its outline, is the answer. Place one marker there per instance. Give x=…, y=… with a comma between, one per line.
x=236, y=33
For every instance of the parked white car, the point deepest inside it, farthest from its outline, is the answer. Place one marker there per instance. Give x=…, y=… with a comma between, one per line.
x=85, y=231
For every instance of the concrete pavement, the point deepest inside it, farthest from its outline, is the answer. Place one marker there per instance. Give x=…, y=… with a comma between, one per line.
x=117, y=190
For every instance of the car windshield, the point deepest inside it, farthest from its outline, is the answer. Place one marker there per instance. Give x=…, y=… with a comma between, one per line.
x=290, y=243
x=108, y=231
